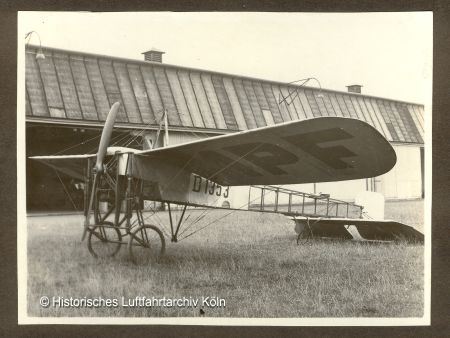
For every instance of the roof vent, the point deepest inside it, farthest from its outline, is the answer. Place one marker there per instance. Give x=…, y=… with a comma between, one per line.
x=153, y=55
x=354, y=89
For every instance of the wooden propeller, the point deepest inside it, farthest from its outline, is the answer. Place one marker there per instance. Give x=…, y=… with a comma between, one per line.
x=99, y=167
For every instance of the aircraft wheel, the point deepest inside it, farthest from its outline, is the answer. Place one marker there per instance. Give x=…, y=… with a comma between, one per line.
x=146, y=245
x=104, y=241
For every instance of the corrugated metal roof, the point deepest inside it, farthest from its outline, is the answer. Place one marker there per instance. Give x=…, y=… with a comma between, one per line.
x=72, y=86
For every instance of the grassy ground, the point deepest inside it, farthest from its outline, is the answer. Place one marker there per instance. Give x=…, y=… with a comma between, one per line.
x=409, y=212
x=250, y=260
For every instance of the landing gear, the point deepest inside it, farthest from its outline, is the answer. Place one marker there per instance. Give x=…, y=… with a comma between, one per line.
x=146, y=245
x=120, y=196
x=104, y=240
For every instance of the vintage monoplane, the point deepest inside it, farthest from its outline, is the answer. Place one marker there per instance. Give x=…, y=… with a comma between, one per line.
x=198, y=173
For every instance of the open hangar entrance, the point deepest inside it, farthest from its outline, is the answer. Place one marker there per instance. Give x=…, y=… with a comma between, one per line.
x=46, y=188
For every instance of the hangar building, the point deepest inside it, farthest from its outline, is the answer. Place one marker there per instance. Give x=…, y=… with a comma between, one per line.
x=69, y=93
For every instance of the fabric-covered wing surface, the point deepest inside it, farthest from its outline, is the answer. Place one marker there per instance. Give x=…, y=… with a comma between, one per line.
x=72, y=165
x=315, y=150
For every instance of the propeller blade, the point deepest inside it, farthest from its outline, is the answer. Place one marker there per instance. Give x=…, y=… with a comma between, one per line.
x=91, y=203
x=99, y=168
x=106, y=136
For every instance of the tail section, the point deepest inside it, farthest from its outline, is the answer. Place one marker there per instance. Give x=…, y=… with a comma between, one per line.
x=357, y=229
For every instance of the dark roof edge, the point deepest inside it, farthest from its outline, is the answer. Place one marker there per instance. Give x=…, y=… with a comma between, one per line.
x=142, y=62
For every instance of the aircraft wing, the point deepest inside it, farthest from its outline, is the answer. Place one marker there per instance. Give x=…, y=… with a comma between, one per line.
x=72, y=165
x=315, y=150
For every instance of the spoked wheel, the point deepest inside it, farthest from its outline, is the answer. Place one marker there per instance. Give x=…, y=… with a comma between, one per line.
x=146, y=245
x=104, y=240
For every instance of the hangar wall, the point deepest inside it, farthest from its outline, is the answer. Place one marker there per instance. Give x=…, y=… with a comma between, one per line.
x=74, y=87
x=405, y=180
x=74, y=90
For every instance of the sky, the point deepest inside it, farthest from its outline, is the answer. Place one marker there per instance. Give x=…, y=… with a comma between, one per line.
x=389, y=54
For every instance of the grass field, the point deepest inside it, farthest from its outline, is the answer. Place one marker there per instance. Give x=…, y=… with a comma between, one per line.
x=409, y=212
x=251, y=260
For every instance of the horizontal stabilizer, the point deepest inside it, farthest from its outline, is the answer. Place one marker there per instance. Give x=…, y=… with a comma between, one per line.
x=357, y=229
